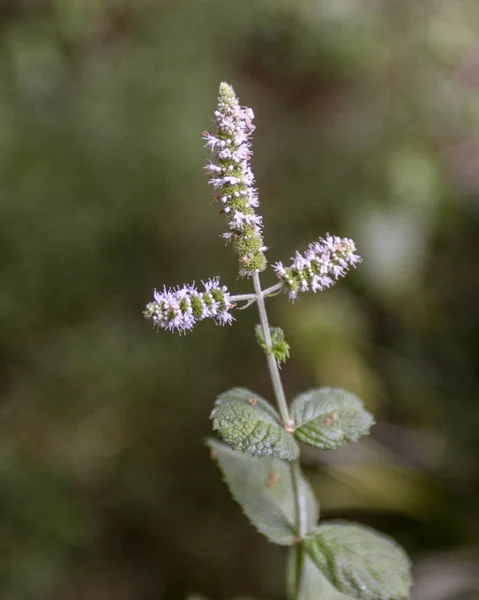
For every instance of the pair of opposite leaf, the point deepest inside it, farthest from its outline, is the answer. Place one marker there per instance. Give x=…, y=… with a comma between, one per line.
x=325, y=418
x=344, y=560
x=341, y=560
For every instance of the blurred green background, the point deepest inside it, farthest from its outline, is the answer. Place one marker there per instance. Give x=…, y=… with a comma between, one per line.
x=367, y=119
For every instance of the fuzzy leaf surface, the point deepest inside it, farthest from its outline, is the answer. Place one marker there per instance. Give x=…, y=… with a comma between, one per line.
x=314, y=584
x=360, y=562
x=248, y=423
x=329, y=418
x=264, y=489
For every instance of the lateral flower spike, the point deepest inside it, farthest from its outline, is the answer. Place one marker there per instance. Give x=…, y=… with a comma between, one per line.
x=230, y=174
x=323, y=263
x=181, y=307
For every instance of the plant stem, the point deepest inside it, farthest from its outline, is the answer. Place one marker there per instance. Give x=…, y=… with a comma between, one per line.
x=300, y=498
x=272, y=364
x=250, y=298
x=241, y=297
x=274, y=289
x=298, y=488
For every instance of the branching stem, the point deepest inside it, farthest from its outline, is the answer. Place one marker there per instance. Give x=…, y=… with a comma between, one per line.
x=273, y=290
x=241, y=297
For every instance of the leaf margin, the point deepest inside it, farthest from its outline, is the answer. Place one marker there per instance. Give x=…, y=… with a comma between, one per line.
x=247, y=422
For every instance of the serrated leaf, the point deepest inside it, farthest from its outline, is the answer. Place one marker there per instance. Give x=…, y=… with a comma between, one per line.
x=314, y=584
x=329, y=418
x=248, y=423
x=360, y=562
x=263, y=487
x=279, y=346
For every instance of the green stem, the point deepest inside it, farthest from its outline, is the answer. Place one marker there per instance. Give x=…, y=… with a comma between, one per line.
x=298, y=488
x=274, y=289
x=241, y=297
x=272, y=364
x=300, y=498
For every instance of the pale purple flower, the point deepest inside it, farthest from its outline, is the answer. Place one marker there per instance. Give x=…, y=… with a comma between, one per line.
x=232, y=178
x=180, y=308
x=319, y=267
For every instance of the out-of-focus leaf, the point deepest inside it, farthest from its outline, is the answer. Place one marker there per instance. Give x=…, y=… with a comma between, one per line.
x=329, y=418
x=264, y=489
x=314, y=584
x=360, y=562
x=248, y=423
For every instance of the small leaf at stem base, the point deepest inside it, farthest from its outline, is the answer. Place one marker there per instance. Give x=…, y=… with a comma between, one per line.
x=279, y=346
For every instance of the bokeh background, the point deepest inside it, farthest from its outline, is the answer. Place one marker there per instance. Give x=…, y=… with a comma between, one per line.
x=367, y=119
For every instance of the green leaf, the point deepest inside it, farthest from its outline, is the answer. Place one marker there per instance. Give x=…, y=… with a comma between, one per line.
x=279, y=348
x=264, y=489
x=313, y=584
x=360, y=562
x=329, y=418
x=248, y=423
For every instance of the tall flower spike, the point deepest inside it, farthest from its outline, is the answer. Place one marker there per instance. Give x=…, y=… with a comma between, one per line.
x=230, y=174
x=319, y=267
x=180, y=308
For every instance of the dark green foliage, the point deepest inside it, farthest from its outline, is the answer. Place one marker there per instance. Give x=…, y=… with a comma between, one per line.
x=329, y=418
x=250, y=424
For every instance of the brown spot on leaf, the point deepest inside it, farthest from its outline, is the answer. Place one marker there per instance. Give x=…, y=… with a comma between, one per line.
x=332, y=417
x=272, y=480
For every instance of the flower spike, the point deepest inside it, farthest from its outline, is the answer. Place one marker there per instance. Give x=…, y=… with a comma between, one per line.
x=232, y=178
x=319, y=267
x=180, y=308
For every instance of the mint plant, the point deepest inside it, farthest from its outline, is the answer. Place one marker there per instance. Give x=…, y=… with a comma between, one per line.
x=260, y=453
